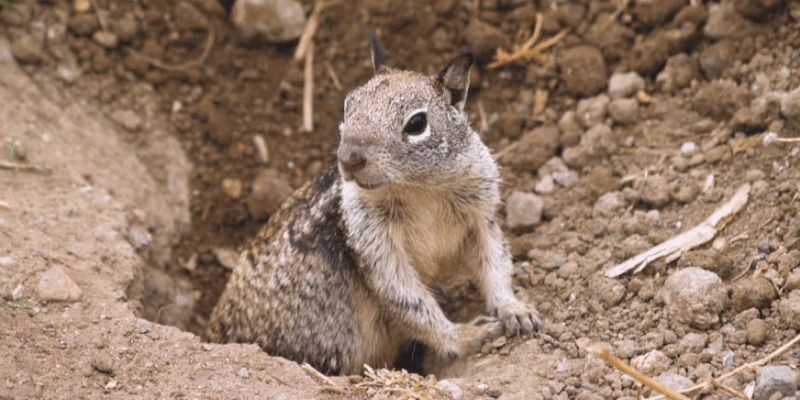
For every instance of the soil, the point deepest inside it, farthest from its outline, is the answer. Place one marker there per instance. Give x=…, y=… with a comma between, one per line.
x=151, y=171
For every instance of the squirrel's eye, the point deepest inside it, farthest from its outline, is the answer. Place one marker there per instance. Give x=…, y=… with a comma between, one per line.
x=416, y=124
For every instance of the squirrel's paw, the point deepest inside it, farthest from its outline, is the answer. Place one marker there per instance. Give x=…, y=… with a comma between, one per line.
x=518, y=318
x=474, y=334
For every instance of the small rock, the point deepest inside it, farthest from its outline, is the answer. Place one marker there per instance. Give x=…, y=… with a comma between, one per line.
x=27, y=50
x=523, y=210
x=725, y=22
x=720, y=99
x=111, y=385
x=752, y=292
x=655, y=191
x=499, y=342
x=232, y=187
x=609, y=291
x=790, y=309
x=83, y=24
x=82, y=6
x=625, y=349
x=276, y=20
x=244, y=373
x=493, y=393
x=227, y=257
x=139, y=237
x=624, y=84
x=187, y=16
x=545, y=185
x=756, y=332
x=624, y=111
x=103, y=366
x=567, y=269
x=674, y=381
x=677, y=74
x=571, y=132
x=656, y=12
x=790, y=105
x=128, y=119
x=126, y=28
x=695, y=296
x=592, y=111
x=775, y=379
x=270, y=189
x=754, y=174
x=652, y=363
x=793, y=281
x=693, y=342
x=484, y=39
x=56, y=285
x=533, y=149
x=583, y=70
x=452, y=389
x=106, y=39
x=565, y=178
x=609, y=205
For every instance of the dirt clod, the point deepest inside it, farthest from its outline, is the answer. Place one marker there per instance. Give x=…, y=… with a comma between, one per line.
x=695, y=296
x=583, y=70
x=754, y=292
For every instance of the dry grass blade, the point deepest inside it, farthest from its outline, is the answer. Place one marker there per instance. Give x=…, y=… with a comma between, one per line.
x=527, y=50
x=15, y=166
x=311, y=27
x=326, y=383
x=674, y=247
x=644, y=379
x=409, y=386
x=100, y=17
x=749, y=366
x=308, y=91
x=189, y=64
x=332, y=73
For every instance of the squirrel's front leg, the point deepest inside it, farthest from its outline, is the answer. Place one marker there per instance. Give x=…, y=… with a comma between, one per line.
x=494, y=280
x=389, y=274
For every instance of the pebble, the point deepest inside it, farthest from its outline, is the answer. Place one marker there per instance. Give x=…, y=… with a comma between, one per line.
x=752, y=292
x=655, y=191
x=83, y=24
x=533, y=149
x=26, y=49
x=484, y=39
x=82, y=6
x=567, y=269
x=675, y=381
x=609, y=291
x=773, y=379
x=277, y=21
x=756, y=332
x=677, y=73
x=624, y=84
x=571, y=132
x=139, y=237
x=565, y=178
x=656, y=12
x=725, y=22
x=624, y=111
x=693, y=342
x=790, y=105
x=583, y=70
x=695, y=296
x=270, y=189
x=545, y=185
x=652, y=363
x=790, y=309
x=106, y=39
x=232, y=187
x=187, y=16
x=523, y=210
x=126, y=28
x=609, y=205
x=226, y=257
x=756, y=9
x=451, y=388
x=56, y=285
x=128, y=119
x=592, y=111
x=720, y=99
x=244, y=373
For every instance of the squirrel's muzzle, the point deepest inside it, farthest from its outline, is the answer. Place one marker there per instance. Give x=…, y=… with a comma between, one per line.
x=351, y=157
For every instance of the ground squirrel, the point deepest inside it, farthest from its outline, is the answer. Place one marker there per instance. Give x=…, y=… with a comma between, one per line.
x=344, y=273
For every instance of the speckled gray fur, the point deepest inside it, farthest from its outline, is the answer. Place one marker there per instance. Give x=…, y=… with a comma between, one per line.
x=342, y=275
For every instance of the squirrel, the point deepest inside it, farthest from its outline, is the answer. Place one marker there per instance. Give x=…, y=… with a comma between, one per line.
x=344, y=273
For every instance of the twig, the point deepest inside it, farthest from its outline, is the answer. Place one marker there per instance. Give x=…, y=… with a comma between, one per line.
x=484, y=123
x=729, y=389
x=100, y=17
x=748, y=366
x=15, y=166
x=674, y=247
x=311, y=27
x=644, y=379
x=158, y=64
x=308, y=91
x=772, y=137
x=261, y=148
x=335, y=78
x=324, y=381
x=623, y=5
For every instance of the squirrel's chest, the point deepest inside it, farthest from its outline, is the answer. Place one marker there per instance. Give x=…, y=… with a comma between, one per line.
x=437, y=241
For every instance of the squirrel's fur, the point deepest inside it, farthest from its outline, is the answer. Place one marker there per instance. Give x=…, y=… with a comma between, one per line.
x=343, y=274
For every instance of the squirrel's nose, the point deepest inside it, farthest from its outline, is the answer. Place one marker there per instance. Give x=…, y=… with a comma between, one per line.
x=351, y=158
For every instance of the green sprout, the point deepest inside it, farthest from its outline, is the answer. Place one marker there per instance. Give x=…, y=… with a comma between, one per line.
x=16, y=305
x=13, y=145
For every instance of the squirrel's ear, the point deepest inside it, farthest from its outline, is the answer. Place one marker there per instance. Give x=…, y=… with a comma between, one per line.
x=376, y=53
x=454, y=78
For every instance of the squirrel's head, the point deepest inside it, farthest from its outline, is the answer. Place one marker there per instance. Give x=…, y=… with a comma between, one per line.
x=406, y=128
